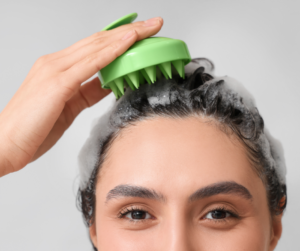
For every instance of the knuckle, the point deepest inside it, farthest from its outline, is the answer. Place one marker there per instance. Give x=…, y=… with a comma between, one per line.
x=138, y=23
x=42, y=60
x=114, y=48
x=88, y=59
x=103, y=33
x=98, y=40
x=47, y=69
x=99, y=34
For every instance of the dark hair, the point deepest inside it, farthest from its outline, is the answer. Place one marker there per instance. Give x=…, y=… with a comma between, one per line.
x=198, y=94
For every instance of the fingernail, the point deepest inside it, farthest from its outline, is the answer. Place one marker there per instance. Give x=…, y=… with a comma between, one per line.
x=128, y=35
x=153, y=21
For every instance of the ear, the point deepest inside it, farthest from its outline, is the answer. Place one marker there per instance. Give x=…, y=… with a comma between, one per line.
x=276, y=225
x=93, y=234
x=276, y=231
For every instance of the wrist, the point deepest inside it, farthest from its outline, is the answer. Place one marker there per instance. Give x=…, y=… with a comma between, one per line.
x=5, y=166
x=9, y=156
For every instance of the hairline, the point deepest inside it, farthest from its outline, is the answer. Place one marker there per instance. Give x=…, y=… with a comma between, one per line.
x=226, y=129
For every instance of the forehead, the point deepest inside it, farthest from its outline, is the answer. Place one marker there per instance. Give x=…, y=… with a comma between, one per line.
x=177, y=156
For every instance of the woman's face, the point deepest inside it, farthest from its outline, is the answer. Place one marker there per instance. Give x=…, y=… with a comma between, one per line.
x=181, y=184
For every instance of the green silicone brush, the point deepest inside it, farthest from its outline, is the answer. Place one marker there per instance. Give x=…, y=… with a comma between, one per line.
x=145, y=61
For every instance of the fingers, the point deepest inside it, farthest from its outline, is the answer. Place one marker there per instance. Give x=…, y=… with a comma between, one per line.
x=104, y=34
x=148, y=23
x=83, y=42
x=40, y=62
x=95, y=39
x=87, y=67
x=90, y=93
x=87, y=95
x=72, y=69
x=103, y=41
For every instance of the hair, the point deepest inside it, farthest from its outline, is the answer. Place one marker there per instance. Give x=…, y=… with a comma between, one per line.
x=220, y=100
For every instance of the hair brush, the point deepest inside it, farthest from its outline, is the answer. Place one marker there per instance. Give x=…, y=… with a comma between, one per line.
x=145, y=61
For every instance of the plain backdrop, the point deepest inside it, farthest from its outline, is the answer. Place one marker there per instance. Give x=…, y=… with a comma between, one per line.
x=255, y=41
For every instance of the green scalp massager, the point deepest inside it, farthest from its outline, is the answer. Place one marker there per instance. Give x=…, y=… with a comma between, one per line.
x=145, y=61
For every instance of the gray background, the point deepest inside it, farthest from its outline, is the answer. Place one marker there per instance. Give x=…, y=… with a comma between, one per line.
x=255, y=41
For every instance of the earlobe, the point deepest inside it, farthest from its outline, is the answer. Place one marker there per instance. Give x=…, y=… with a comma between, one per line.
x=276, y=231
x=277, y=224
x=93, y=234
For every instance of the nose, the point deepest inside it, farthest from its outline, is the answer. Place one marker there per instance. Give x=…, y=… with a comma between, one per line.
x=177, y=233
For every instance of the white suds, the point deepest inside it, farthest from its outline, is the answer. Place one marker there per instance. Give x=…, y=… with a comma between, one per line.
x=161, y=94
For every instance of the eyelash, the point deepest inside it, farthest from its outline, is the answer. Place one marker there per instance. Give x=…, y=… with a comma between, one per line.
x=223, y=209
x=131, y=209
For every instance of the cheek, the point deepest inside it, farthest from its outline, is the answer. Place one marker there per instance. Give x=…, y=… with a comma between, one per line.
x=111, y=238
x=248, y=236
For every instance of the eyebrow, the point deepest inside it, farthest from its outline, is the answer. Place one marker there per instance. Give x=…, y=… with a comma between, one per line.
x=134, y=191
x=227, y=187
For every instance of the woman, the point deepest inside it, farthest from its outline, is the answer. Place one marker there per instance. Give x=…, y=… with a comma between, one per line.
x=183, y=165
x=170, y=175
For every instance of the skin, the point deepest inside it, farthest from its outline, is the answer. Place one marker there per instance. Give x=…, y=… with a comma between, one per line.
x=176, y=160
x=51, y=96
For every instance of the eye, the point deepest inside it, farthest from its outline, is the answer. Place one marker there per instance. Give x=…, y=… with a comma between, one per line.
x=218, y=214
x=138, y=215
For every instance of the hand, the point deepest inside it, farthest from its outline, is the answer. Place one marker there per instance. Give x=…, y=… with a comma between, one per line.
x=52, y=96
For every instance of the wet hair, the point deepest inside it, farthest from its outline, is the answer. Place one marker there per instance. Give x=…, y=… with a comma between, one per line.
x=221, y=100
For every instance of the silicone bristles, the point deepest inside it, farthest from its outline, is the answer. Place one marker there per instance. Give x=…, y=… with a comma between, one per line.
x=148, y=74
x=166, y=69
x=179, y=66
